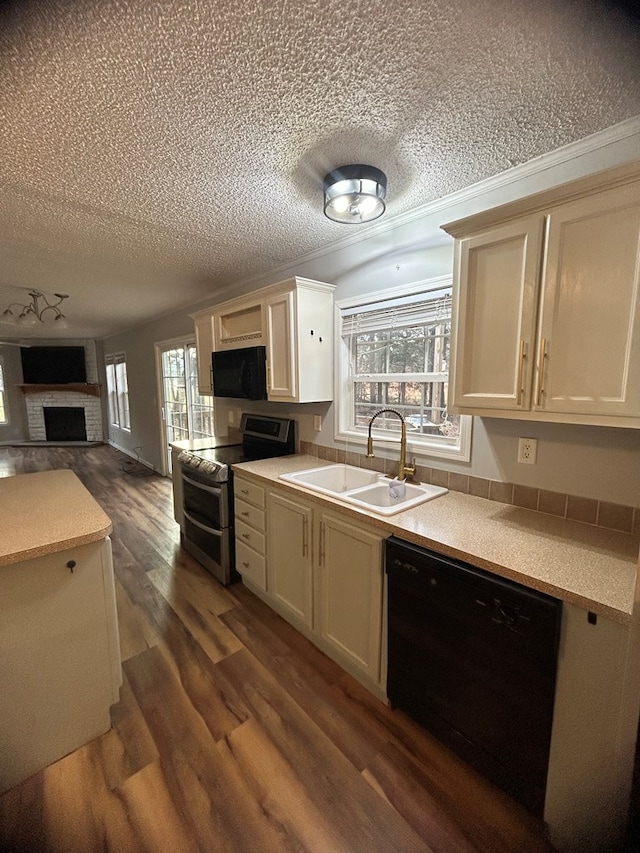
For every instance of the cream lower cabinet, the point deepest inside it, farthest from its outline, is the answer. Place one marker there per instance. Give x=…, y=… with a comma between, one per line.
x=349, y=591
x=325, y=576
x=250, y=531
x=547, y=316
x=290, y=566
x=59, y=656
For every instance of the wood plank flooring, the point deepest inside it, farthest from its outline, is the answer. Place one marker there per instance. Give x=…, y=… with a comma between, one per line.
x=233, y=733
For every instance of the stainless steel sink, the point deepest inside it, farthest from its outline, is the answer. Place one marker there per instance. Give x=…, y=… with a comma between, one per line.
x=366, y=489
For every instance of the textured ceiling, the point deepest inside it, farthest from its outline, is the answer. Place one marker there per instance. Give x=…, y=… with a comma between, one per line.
x=154, y=152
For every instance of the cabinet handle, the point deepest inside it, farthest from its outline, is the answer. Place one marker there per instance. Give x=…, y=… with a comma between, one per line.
x=268, y=377
x=246, y=536
x=245, y=514
x=245, y=564
x=244, y=491
x=321, y=555
x=523, y=355
x=305, y=536
x=541, y=357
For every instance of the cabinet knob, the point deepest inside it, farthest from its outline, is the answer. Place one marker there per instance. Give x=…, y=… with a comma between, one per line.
x=71, y=564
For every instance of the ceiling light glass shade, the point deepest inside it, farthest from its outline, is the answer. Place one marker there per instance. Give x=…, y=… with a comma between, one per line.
x=354, y=194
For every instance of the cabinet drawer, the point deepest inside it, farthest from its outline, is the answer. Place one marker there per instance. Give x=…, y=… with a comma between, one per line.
x=251, y=537
x=250, y=515
x=251, y=492
x=251, y=565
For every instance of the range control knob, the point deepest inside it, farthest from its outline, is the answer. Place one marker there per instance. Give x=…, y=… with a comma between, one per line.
x=185, y=456
x=207, y=467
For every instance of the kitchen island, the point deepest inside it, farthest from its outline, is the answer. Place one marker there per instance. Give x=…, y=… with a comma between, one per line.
x=59, y=652
x=591, y=570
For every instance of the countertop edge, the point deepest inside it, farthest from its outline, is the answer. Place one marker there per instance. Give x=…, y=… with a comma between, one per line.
x=56, y=547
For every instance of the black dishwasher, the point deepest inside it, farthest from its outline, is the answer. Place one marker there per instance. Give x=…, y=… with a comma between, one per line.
x=472, y=657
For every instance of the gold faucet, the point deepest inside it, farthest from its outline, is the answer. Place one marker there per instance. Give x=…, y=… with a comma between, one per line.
x=404, y=469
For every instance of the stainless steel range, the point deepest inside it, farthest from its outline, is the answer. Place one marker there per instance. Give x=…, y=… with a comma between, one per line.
x=207, y=487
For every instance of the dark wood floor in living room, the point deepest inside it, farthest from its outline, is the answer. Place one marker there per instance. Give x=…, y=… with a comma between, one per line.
x=233, y=733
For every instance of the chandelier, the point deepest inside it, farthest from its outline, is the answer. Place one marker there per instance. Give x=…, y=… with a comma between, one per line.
x=32, y=313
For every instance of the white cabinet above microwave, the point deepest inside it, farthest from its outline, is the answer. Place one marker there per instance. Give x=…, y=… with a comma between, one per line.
x=293, y=320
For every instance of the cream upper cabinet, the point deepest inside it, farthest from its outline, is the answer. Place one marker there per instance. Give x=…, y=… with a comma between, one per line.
x=547, y=316
x=496, y=322
x=299, y=322
x=293, y=320
x=203, y=324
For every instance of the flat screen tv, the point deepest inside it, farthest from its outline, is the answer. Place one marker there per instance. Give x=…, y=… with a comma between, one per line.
x=53, y=365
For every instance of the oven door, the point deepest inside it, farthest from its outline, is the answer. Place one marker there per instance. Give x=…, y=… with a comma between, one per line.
x=212, y=548
x=206, y=503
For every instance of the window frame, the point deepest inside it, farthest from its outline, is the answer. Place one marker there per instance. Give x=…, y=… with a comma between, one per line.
x=417, y=444
x=119, y=411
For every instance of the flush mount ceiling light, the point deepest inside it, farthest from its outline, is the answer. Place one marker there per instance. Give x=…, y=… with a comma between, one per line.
x=32, y=313
x=354, y=194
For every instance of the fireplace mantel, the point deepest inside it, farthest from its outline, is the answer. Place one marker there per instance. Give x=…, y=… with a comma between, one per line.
x=90, y=388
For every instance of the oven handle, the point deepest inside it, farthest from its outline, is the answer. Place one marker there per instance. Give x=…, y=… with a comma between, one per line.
x=212, y=489
x=202, y=526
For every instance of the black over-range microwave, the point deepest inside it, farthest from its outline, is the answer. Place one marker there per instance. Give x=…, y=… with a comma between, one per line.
x=240, y=373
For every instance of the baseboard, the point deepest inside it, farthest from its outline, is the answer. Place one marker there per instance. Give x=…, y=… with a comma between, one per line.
x=131, y=455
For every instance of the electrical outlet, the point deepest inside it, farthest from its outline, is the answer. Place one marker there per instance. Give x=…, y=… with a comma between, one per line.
x=527, y=450
x=317, y=423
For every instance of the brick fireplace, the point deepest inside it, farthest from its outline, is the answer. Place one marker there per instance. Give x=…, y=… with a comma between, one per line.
x=55, y=398
x=87, y=397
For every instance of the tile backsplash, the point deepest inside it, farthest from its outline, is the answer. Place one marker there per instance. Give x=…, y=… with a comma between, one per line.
x=587, y=510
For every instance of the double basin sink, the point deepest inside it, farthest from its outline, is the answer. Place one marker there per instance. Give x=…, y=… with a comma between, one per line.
x=366, y=489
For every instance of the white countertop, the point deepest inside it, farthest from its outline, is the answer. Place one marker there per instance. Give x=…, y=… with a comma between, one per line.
x=46, y=512
x=585, y=565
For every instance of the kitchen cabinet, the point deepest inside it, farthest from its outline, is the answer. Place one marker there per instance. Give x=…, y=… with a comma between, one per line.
x=547, y=314
x=325, y=576
x=349, y=586
x=299, y=322
x=250, y=531
x=203, y=325
x=293, y=320
x=290, y=569
x=59, y=656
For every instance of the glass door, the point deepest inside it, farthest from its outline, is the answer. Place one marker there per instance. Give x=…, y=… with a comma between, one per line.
x=186, y=414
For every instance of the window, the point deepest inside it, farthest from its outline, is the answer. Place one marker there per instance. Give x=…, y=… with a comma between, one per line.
x=186, y=414
x=394, y=353
x=118, y=390
x=4, y=414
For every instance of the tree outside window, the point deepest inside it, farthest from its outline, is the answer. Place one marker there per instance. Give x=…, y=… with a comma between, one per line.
x=395, y=353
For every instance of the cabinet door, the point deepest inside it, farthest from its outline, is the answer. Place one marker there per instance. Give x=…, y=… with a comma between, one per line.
x=204, y=347
x=589, y=352
x=289, y=567
x=350, y=578
x=497, y=273
x=281, y=347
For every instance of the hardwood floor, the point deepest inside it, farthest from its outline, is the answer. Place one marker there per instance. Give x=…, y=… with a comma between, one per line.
x=233, y=733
